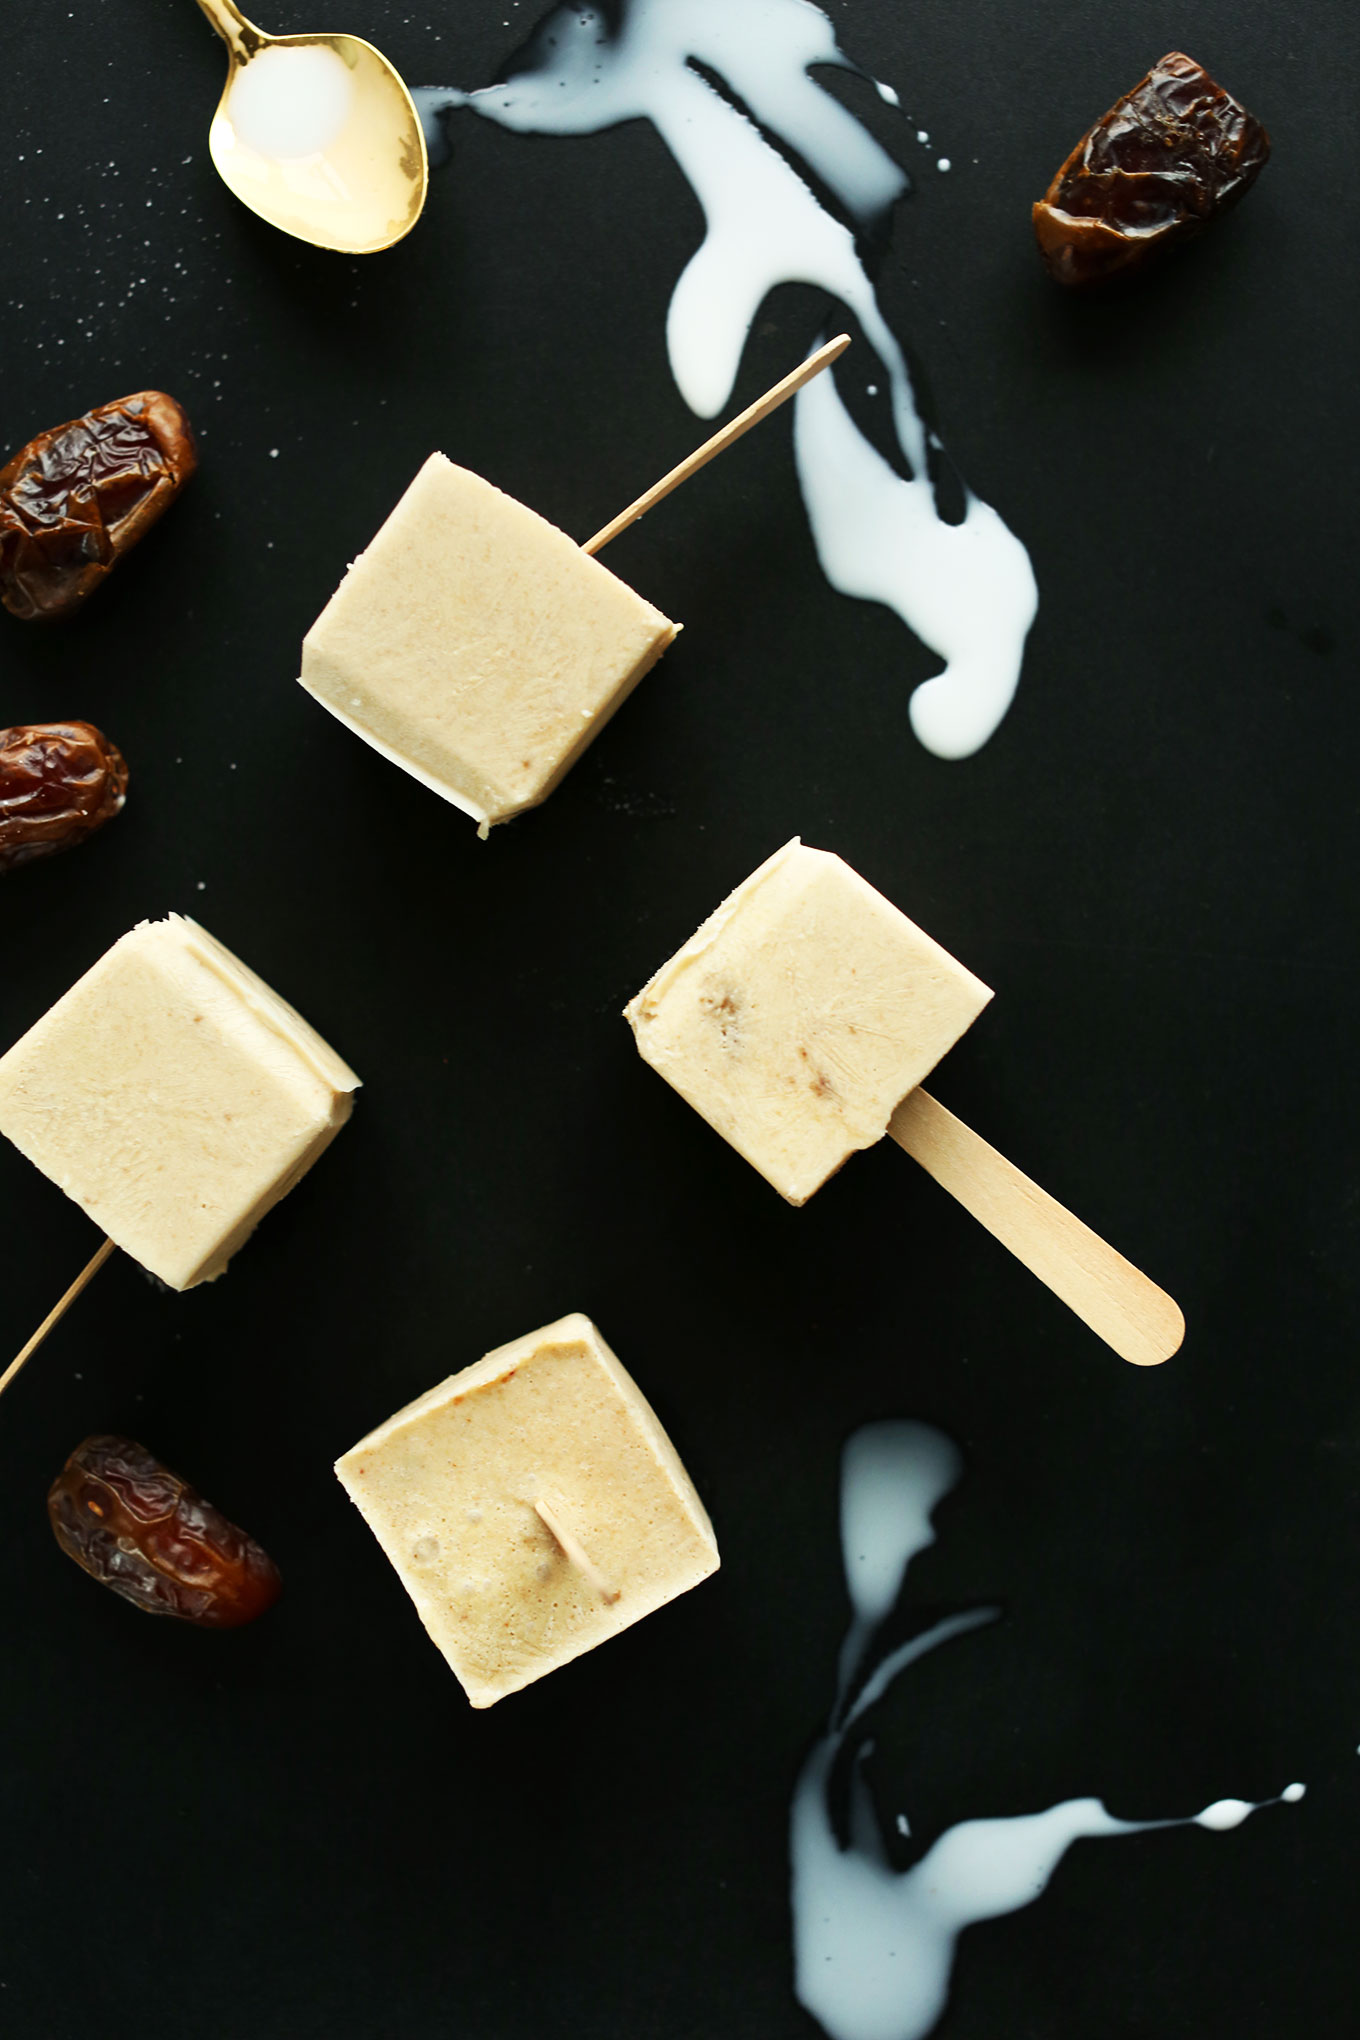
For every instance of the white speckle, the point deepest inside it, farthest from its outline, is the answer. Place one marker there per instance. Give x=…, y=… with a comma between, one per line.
x=1292, y=1794
x=943, y=163
x=202, y=885
x=922, y=137
x=273, y=453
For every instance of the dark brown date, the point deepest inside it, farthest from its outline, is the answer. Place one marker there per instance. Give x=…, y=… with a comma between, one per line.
x=138, y=1528
x=59, y=782
x=1166, y=159
x=75, y=499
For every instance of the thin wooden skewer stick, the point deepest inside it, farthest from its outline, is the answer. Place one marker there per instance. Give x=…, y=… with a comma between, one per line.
x=87, y=1274
x=575, y=1551
x=762, y=408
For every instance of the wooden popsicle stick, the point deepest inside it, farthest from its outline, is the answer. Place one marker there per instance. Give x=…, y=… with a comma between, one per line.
x=702, y=455
x=58, y=1311
x=575, y=1551
x=1131, y=1314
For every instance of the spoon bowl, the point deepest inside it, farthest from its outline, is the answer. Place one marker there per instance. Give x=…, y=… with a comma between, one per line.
x=318, y=135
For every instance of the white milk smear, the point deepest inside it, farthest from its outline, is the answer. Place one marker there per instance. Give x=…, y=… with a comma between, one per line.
x=291, y=102
x=874, y=1946
x=967, y=590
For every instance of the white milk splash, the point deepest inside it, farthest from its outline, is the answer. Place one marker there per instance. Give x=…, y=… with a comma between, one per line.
x=874, y=1946
x=967, y=589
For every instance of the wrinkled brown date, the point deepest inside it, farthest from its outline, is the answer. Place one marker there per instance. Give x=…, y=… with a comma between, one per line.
x=1166, y=159
x=138, y=1528
x=75, y=499
x=59, y=782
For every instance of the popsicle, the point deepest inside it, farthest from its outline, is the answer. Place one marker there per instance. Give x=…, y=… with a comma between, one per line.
x=175, y=1097
x=532, y=1506
x=481, y=649
x=801, y=1020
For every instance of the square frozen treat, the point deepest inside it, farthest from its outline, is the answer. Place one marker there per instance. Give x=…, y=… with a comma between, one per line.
x=476, y=645
x=175, y=1097
x=801, y=1014
x=452, y=1487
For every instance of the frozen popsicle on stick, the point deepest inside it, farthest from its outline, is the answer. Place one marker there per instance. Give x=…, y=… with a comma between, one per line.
x=481, y=649
x=801, y=1020
x=176, y=1098
x=532, y=1506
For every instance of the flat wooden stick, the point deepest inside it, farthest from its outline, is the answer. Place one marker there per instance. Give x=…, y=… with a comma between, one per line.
x=87, y=1274
x=575, y=1551
x=1107, y=1292
x=762, y=408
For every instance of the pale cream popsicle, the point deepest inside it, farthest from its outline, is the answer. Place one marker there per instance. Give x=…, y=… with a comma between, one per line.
x=477, y=646
x=175, y=1097
x=801, y=1020
x=452, y=1484
x=800, y=1014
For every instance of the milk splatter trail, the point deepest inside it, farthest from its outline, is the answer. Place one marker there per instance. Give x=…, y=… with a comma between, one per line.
x=873, y=1946
x=967, y=590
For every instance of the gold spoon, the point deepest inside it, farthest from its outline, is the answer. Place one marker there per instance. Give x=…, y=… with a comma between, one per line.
x=318, y=135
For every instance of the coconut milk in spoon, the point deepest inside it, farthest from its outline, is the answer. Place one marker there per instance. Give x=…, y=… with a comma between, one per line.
x=318, y=135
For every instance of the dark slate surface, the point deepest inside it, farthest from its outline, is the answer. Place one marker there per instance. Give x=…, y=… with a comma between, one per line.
x=302, y=1830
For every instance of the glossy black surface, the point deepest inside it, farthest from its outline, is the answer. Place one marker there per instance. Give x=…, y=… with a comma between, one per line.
x=301, y=1830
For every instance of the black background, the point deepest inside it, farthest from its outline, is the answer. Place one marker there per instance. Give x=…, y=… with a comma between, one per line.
x=302, y=1830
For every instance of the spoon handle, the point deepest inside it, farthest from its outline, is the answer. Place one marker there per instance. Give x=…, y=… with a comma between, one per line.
x=241, y=37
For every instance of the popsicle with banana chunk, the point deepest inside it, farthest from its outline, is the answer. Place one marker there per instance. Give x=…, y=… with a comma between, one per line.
x=801, y=1021
x=174, y=1097
x=481, y=649
x=532, y=1506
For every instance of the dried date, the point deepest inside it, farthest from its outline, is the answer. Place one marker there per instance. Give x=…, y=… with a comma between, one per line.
x=1166, y=159
x=59, y=782
x=75, y=499
x=138, y=1528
